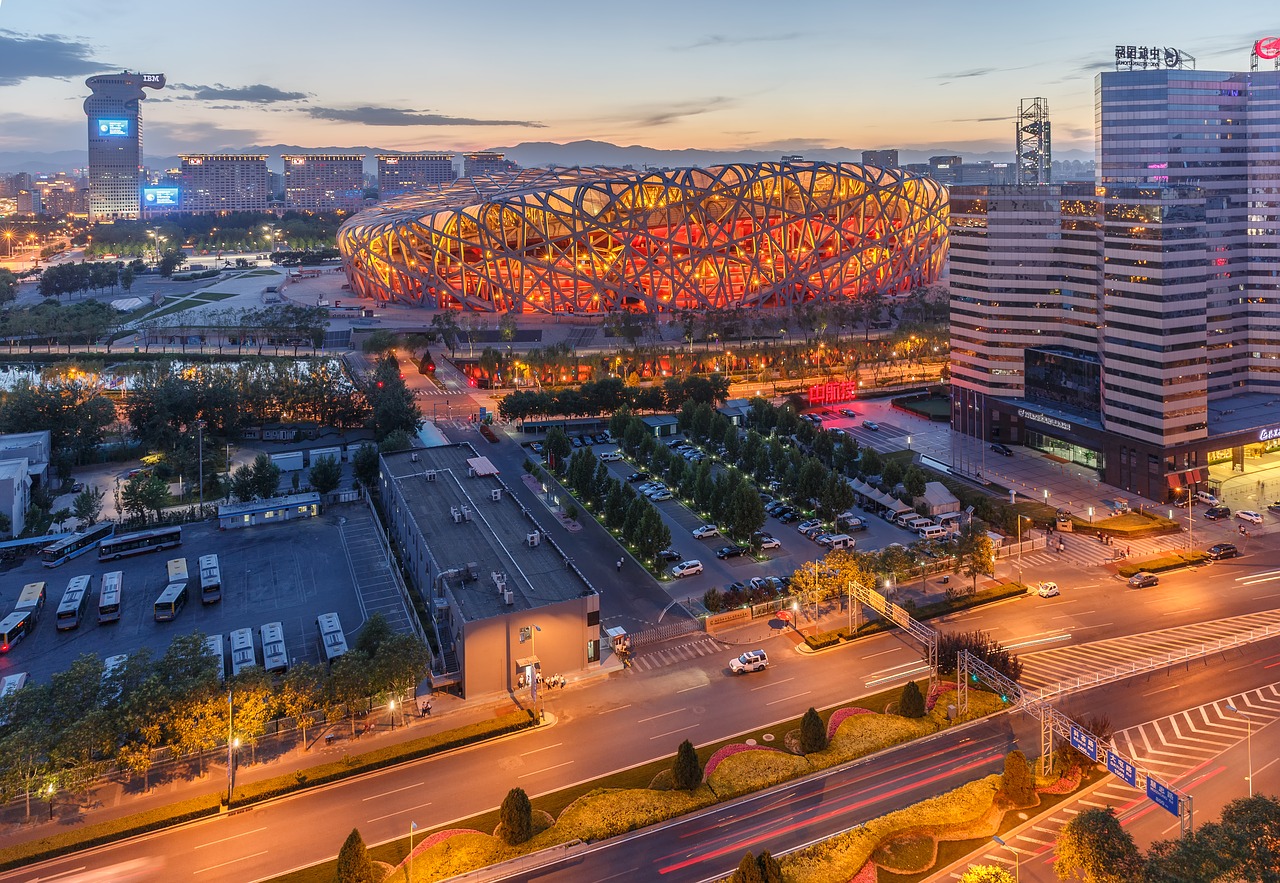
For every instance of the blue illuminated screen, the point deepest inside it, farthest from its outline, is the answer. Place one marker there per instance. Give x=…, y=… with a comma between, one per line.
x=112, y=128
x=160, y=197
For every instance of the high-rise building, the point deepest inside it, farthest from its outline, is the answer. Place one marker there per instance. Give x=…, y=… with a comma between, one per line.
x=219, y=183
x=114, y=112
x=321, y=182
x=412, y=171
x=1129, y=327
x=487, y=164
x=30, y=202
x=882, y=159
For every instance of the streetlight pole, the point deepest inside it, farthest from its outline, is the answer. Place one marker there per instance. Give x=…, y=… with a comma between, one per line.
x=1248, y=741
x=231, y=745
x=1017, y=859
x=391, y=710
x=49, y=792
x=200, y=456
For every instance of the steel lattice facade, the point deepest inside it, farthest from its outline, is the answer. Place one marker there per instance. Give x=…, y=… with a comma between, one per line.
x=598, y=240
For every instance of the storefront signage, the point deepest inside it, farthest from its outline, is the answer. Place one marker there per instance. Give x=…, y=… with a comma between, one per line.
x=1271, y=433
x=1132, y=58
x=1041, y=418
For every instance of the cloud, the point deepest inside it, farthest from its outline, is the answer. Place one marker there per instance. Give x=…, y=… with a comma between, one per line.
x=258, y=93
x=715, y=41
x=983, y=119
x=394, y=116
x=964, y=75
x=665, y=115
x=25, y=56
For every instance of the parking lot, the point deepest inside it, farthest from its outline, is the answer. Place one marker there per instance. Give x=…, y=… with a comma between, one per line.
x=287, y=573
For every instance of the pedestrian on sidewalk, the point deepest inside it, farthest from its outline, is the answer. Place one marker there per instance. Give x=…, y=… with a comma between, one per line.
x=427, y=707
x=619, y=565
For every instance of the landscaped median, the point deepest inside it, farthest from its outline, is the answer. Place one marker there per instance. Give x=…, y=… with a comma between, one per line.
x=212, y=804
x=1164, y=562
x=617, y=804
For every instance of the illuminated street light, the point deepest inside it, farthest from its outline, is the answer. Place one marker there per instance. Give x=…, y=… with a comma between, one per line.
x=1017, y=870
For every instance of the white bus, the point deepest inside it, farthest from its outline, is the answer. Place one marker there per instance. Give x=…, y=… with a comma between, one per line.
x=171, y=602
x=109, y=597
x=14, y=627
x=74, y=601
x=274, y=655
x=31, y=600
x=213, y=644
x=210, y=580
x=143, y=541
x=242, y=652
x=333, y=643
x=76, y=544
x=177, y=568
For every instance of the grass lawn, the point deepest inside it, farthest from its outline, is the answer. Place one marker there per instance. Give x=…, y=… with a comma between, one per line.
x=934, y=406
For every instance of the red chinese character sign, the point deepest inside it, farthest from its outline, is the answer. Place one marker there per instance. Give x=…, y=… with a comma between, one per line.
x=833, y=393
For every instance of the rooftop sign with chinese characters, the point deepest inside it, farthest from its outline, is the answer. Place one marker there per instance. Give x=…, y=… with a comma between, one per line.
x=1133, y=58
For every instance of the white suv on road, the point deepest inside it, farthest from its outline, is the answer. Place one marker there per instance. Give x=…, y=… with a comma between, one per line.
x=752, y=660
x=687, y=568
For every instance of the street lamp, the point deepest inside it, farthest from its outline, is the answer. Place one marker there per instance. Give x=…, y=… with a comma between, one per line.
x=391, y=711
x=200, y=455
x=1017, y=859
x=49, y=792
x=1248, y=741
x=908, y=443
x=1020, y=517
x=8, y=235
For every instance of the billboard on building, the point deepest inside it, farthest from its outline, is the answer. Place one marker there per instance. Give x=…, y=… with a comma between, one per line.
x=160, y=197
x=113, y=128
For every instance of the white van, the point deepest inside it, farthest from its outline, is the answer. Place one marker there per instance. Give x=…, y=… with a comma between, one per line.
x=610, y=456
x=919, y=523
x=907, y=517
x=841, y=541
x=933, y=532
x=1207, y=498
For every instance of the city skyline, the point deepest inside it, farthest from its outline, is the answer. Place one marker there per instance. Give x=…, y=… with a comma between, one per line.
x=823, y=76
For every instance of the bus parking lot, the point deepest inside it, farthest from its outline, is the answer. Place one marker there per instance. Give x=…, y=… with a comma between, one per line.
x=289, y=573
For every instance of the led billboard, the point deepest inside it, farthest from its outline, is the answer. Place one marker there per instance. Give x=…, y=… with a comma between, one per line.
x=113, y=128
x=160, y=197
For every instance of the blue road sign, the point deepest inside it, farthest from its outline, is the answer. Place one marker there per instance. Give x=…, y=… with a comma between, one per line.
x=1118, y=766
x=1084, y=742
x=1162, y=795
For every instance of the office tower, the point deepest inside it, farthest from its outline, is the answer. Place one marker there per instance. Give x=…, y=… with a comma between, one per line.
x=114, y=112
x=412, y=171
x=945, y=169
x=1034, y=142
x=487, y=164
x=324, y=182
x=884, y=159
x=1167, y=362
x=219, y=183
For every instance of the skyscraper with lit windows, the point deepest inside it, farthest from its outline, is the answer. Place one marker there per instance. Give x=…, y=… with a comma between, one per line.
x=114, y=111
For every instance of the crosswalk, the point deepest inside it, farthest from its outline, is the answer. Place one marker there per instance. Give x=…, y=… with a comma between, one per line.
x=685, y=651
x=1089, y=552
x=433, y=390
x=1173, y=749
x=1062, y=669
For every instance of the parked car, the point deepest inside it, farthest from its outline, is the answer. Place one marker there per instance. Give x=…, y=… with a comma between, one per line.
x=1250, y=516
x=536, y=447
x=1002, y=449
x=752, y=660
x=707, y=530
x=806, y=525
x=1142, y=580
x=1218, y=551
x=687, y=568
x=1274, y=507
x=637, y=476
x=1217, y=513
x=730, y=552
x=848, y=412
x=1048, y=589
x=670, y=555
x=576, y=442
x=871, y=424
x=787, y=516
x=759, y=583
x=814, y=532
x=602, y=439
x=660, y=496
x=770, y=543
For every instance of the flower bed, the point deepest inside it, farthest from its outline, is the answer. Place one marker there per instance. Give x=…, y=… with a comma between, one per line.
x=607, y=812
x=729, y=751
x=1065, y=784
x=840, y=715
x=749, y=771
x=935, y=693
x=441, y=837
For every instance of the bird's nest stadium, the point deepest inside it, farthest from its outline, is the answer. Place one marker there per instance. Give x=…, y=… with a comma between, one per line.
x=602, y=240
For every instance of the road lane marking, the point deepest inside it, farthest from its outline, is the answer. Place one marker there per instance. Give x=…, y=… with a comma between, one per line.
x=1161, y=690
x=695, y=687
x=232, y=862
x=1265, y=597
x=225, y=839
x=1248, y=576
x=618, y=708
x=656, y=716
x=1182, y=610
x=543, y=748
x=884, y=652
x=396, y=791
x=545, y=770
x=771, y=684
x=398, y=812
x=786, y=698
x=672, y=732
x=1046, y=640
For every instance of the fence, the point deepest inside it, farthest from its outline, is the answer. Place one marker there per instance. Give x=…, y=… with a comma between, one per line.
x=666, y=632
x=1008, y=550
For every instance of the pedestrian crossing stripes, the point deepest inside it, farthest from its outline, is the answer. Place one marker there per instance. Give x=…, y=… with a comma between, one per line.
x=427, y=391
x=664, y=656
x=1169, y=748
x=1114, y=658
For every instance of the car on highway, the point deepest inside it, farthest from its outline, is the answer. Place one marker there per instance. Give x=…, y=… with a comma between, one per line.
x=752, y=660
x=1218, y=551
x=730, y=552
x=1048, y=589
x=670, y=555
x=1143, y=580
x=706, y=531
x=687, y=568
x=848, y=412
x=1002, y=449
x=871, y=424
x=770, y=543
x=1250, y=516
x=1217, y=513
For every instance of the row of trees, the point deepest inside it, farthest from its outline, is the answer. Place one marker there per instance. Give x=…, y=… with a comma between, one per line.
x=64, y=734
x=239, y=231
x=276, y=325
x=611, y=395
x=622, y=510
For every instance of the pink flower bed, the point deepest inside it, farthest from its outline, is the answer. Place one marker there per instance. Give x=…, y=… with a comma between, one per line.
x=1066, y=784
x=840, y=715
x=440, y=837
x=935, y=693
x=866, y=875
x=730, y=751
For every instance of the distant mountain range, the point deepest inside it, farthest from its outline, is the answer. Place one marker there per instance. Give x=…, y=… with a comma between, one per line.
x=541, y=153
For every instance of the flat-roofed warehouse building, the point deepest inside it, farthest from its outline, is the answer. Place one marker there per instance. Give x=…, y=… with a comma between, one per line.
x=507, y=600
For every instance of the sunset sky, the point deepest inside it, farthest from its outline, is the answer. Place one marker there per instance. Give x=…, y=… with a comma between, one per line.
x=401, y=74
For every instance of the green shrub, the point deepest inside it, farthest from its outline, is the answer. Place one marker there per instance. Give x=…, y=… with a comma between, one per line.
x=1017, y=784
x=912, y=702
x=828, y=639
x=813, y=732
x=1167, y=561
x=748, y=871
x=686, y=769
x=516, y=817
x=353, y=861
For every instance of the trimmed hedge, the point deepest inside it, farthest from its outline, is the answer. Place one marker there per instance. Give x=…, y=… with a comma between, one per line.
x=829, y=639
x=1169, y=561
x=197, y=807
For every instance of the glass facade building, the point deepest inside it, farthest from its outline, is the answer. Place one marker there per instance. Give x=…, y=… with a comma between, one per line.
x=114, y=111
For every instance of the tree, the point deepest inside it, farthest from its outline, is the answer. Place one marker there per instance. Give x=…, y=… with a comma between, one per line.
x=392, y=403
x=981, y=645
x=515, y=818
x=364, y=466
x=1094, y=848
x=745, y=513
x=558, y=448
x=266, y=477
x=144, y=493
x=127, y=276
x=380, y=341
x=869, y=462
x=813, y=732
x=169, y=262
x=1017, y=784
x=986, y=874
x=300, y=693
x=1243, y=845
x=975, y=553
x=911, y=703
x=87, y=506
x=325, y=475
x=748, y=871
x=770, y=870
x=914, y=481
x=354, y=865
x=686, y=770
